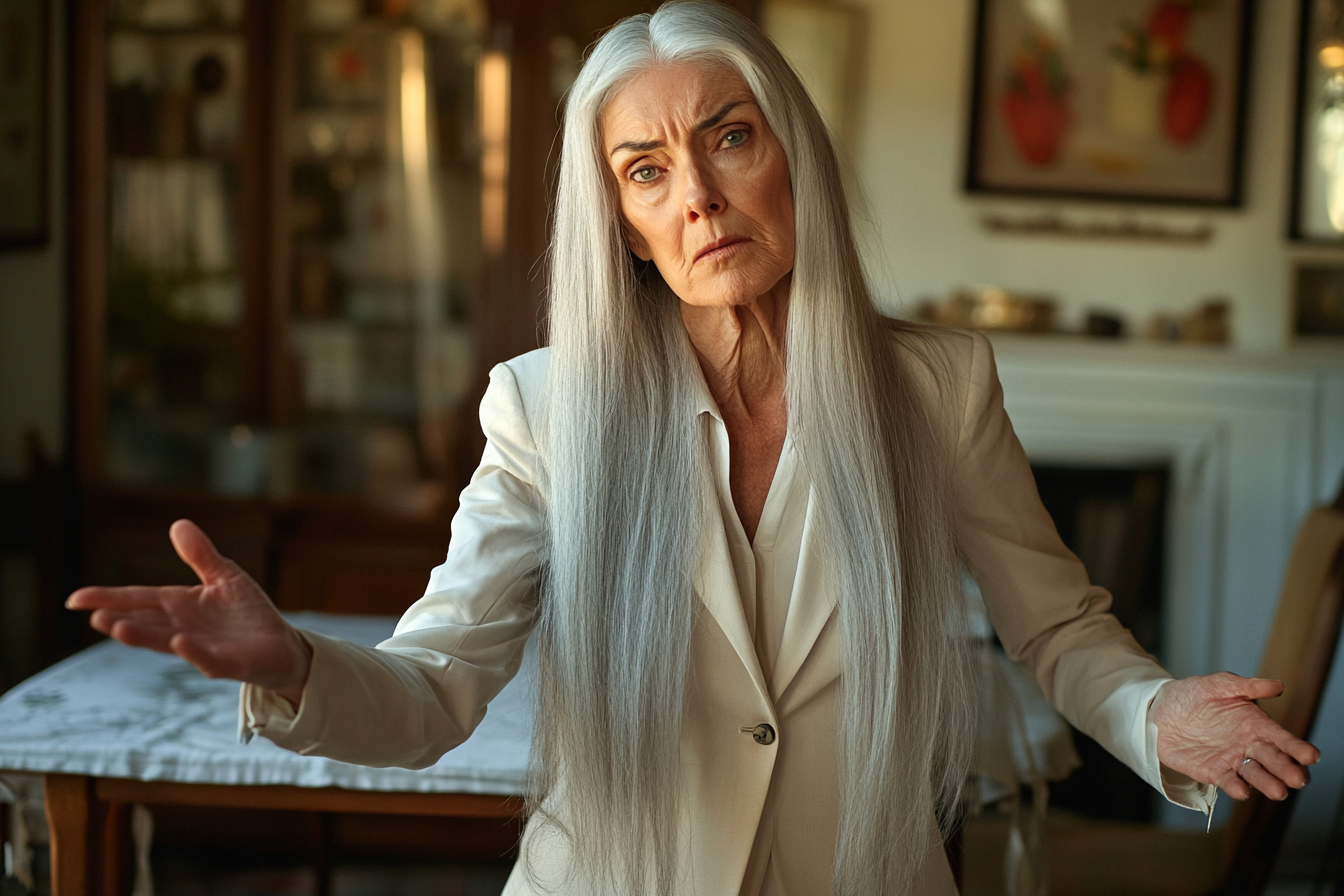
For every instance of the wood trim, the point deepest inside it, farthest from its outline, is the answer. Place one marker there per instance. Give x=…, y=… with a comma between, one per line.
x=534, y=134
x=308, y=799
x=512, y=282
x=276, y=45
x=252, y=238
x=87, y=321
x=251, y=205
x=40, y=237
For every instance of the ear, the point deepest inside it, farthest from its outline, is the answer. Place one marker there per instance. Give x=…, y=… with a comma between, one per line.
x=635, y=241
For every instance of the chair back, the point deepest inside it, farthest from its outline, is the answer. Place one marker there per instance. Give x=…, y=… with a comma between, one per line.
x=1299, y=652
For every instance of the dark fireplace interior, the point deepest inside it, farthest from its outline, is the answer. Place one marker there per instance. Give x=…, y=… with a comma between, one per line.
x=1114, y=520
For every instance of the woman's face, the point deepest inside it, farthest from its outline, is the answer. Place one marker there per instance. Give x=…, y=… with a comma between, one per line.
x=704, y=184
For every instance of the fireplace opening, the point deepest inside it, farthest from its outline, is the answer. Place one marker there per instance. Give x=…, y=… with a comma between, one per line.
x=1114, y=520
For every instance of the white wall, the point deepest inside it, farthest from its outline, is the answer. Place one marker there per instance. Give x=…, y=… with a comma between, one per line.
x=925, y=236
x=32, y=304
x=910, y=158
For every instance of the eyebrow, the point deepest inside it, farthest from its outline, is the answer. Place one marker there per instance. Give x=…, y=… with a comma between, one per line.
x=703, y=126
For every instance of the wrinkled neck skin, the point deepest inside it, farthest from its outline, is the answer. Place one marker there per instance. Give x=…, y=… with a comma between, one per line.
x=741, y=352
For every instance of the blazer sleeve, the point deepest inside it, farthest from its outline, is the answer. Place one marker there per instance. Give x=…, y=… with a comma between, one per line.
x=1049, y=617
x=423, y=691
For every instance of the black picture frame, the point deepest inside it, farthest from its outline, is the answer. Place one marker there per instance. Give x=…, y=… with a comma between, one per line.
x=1308, y=217
x=1131, y=136
x=25, y=115
x=1318, y=299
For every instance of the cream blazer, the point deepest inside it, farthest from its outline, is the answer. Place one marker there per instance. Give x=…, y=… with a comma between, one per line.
x=748, y=806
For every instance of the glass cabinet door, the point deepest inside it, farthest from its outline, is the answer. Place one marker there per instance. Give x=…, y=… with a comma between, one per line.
x=315, y=338
x=176, y=345
x=385, y=245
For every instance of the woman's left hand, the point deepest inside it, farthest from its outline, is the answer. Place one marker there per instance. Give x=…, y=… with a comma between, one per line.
x=1209, y=728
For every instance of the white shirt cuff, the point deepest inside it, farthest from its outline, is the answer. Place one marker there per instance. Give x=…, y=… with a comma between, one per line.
x=1176, y=787
x=261, y=711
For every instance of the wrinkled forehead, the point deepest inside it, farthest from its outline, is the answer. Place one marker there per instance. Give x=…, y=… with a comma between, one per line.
x=669, y=95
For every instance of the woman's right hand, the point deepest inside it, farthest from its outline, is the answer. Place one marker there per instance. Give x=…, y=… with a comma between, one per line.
x=226, y=626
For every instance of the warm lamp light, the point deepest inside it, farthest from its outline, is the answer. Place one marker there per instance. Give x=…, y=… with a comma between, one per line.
x=492, y=100
x=1331, y=54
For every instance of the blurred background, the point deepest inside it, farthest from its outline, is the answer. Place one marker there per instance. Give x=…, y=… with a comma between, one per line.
x=257, y=259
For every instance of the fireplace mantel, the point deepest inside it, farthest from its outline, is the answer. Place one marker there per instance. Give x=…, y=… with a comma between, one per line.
x=1252, y=442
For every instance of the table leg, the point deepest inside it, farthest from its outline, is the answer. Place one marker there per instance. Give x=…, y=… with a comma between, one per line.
x=116, y=851
x=72, y=816
x=324, y=860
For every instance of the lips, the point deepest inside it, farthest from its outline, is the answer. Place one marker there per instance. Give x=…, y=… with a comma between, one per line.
x=722, y=242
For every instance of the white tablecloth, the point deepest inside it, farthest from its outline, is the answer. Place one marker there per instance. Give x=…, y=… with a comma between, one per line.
x=114, y=711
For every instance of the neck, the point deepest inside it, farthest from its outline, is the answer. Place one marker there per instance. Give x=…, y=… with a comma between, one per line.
x=741, y=349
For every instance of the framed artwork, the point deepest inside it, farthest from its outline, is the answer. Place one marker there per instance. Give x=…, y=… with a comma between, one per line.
x=1318, y=300
x=1316, y=210
x=23, y=122
x=1127, y=100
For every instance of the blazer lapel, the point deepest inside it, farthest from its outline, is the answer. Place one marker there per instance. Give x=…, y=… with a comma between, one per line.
x=716, y=583
x=811, y=604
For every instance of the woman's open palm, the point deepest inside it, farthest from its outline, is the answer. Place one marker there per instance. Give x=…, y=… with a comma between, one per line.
x=225, y=626
x=1209, y=728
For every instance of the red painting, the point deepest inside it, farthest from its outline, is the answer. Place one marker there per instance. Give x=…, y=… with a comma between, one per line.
x=1110, y=99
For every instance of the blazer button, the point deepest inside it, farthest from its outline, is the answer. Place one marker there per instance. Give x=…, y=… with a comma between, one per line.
x=763, y=734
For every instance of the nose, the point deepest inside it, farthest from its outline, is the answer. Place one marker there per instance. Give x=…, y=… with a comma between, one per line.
x=703, y=197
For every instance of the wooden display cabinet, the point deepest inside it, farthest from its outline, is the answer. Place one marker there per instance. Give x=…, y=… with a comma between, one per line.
x=303, y=232
x=297, y=232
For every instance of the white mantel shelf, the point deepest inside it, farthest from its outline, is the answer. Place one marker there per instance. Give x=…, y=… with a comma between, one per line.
x=1138, y=377
x=1252, y=441
x=1323, y=354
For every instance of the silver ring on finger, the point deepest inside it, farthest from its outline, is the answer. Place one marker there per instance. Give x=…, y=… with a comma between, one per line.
x=1244, y=763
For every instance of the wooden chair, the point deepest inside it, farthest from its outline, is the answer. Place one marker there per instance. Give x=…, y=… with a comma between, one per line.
x=1299, y=652
x=1101, y=858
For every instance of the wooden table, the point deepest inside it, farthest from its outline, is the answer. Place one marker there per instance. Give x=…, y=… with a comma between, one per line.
x=89, y=818
x=112, y=727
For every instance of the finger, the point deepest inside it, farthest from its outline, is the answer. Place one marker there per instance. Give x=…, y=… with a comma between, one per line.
x=104, y=619
x=126, y=598
x=1280, y=765
x=1232, y=784
x=136, y=633
x=1260, y=688
x=198, y=551
x=1257, y=776
x=1301, y=751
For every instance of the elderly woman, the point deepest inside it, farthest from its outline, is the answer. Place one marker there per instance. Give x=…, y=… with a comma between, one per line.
x=734, y=502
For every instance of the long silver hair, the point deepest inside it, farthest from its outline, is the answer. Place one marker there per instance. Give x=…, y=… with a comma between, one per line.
x=627, y=492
